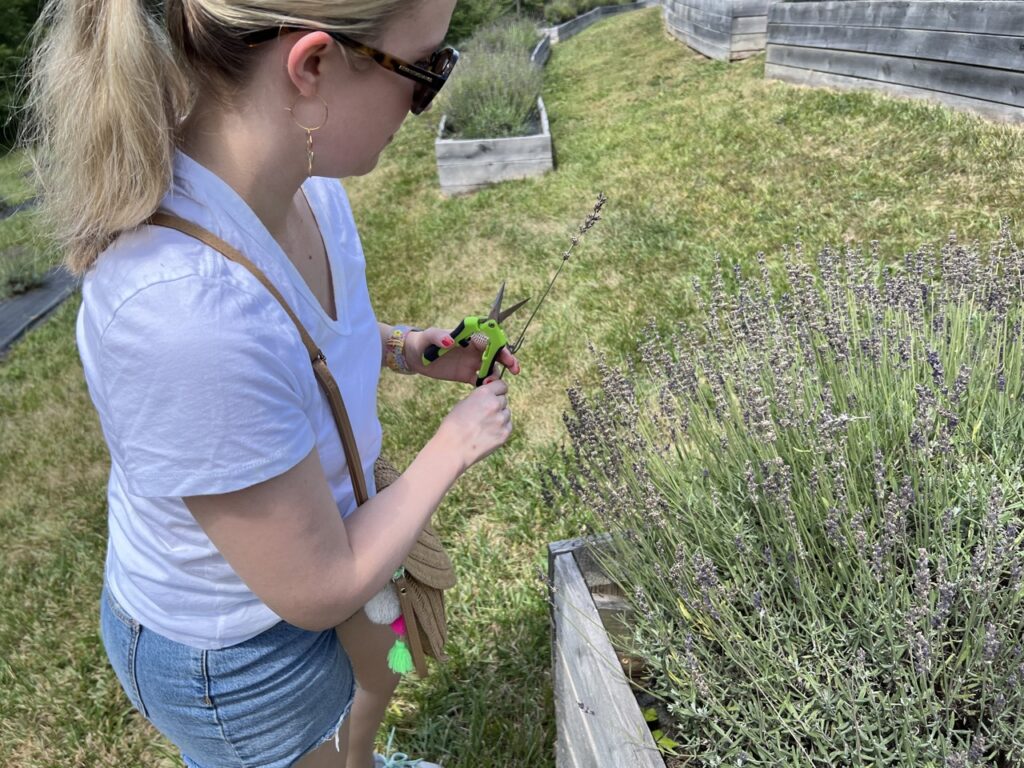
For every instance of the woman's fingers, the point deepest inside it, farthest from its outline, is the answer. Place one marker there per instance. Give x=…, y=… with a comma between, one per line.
x=439, y=337
x=509, y=360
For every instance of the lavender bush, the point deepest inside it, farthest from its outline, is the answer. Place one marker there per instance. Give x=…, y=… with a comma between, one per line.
x=493, y=91
x=815, y=505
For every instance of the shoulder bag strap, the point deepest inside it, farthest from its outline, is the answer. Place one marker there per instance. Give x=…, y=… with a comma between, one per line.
x=316, y=357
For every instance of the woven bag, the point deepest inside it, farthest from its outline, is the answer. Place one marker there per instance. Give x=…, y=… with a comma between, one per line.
x=428, y=572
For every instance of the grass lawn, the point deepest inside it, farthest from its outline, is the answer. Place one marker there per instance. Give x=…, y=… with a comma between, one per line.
x=14, y=185
x=25, y=256
x=697, y=158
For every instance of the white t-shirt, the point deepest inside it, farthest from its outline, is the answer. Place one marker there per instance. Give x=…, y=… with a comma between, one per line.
x=203, y=386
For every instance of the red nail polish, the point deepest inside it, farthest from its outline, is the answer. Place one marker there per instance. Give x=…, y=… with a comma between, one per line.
x=446, y=342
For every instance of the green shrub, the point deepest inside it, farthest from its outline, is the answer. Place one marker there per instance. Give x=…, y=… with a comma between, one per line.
x=16, y=20
x=509, y=34
x=559, y=11
x=494, y=89
x=816, y=507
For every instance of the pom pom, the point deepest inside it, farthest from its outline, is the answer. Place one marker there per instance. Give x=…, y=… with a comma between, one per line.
x=398, y=625
x=384, y=608
x=399, y=658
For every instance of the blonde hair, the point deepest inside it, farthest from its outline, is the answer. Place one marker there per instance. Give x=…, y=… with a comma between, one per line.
x=111, y=80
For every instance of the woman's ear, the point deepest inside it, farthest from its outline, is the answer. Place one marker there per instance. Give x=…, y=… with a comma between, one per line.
x=304, y=61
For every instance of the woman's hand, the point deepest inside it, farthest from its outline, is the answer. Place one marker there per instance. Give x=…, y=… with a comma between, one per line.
x=479, y=424
x=458, y=363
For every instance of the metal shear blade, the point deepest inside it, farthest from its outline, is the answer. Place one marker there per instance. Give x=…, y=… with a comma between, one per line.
x=496, y=311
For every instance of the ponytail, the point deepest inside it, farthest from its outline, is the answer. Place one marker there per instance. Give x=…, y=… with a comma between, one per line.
x=106, y=92
x=110, y=82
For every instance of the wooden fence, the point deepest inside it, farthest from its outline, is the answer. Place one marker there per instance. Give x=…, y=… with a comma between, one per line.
x=966, y=55
x=720, y=29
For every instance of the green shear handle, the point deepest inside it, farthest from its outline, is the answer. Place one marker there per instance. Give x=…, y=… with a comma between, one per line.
x=463, y=335
x=489, y=326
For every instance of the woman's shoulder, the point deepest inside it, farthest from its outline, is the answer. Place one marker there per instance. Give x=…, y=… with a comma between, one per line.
x=165, y=271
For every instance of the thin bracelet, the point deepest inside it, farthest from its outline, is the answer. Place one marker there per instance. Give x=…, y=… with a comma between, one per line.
x=394, y=349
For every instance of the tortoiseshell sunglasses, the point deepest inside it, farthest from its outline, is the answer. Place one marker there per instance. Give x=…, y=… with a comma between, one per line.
x=430, y=75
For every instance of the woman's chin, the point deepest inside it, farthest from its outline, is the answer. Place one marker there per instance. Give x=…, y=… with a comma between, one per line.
x=368, y=165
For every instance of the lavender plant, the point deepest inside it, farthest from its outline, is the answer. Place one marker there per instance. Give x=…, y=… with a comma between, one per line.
x=493, y=91
x=815, y=506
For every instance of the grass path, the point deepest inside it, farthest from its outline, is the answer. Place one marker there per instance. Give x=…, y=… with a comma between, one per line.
x=696, y=157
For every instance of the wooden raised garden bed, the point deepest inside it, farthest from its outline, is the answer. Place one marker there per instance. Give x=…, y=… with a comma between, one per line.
x=599, y=722
x=567, y=29
x=720, y=29
x=966, y=55
x=465, y=165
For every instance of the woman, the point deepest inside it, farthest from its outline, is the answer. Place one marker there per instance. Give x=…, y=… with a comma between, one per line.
x=229, y=566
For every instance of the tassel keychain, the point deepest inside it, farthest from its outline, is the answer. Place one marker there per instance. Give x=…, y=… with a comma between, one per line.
x=399, y=657
x=384, y=608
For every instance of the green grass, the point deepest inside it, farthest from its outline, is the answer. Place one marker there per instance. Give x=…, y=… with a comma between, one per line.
x=25, y=256
x=696, y=157
x=14, y=185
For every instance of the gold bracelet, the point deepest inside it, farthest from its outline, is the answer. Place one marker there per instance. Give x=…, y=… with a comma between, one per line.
x=394, y=349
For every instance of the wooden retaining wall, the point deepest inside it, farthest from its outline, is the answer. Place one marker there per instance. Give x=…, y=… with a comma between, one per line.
x=541, y=51
x=600, y=724
x=466, y=165
x=574, y=26
x=720, y=29
x=966, y=55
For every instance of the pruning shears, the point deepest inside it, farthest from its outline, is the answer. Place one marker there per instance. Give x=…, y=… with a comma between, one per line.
x=472, y=325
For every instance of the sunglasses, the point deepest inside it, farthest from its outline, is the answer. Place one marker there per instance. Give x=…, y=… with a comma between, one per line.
x=430, y=74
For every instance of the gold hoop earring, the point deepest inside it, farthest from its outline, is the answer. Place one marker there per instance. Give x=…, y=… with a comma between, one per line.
x=308, y=129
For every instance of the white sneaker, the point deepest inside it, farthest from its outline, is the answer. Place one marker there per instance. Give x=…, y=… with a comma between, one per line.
x=399, y=759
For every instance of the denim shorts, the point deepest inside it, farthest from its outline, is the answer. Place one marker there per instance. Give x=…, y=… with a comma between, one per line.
x=264, y=702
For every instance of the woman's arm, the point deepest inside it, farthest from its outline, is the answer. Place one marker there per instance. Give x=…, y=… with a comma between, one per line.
x=385, y=334
x=287, y=541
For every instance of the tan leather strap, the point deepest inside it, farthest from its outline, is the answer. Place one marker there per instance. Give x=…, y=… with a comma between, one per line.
x=316, y=357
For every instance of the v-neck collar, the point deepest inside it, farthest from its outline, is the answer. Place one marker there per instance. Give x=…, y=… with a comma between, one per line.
x=208, y=189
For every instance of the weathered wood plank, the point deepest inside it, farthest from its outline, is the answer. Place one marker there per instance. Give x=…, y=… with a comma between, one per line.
x=588, y=555
x=616, y=615
x=732, y=7
x=750, y=7
x=706, y=28
x=542, y=51
x=748, y=43
x=599, y=721
x=809, y=77
x=992, y=17
x=749, y=25
x=704, y=47
x=1002, y=51
x=460, y=151
x=465, y=165
x=736, y=55
x=715, y=45
x=715, y=28
x=998, y=86
x=720, y=24
x=574, y=26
